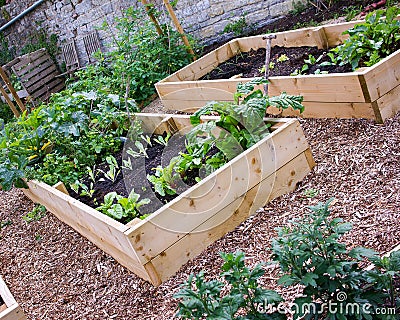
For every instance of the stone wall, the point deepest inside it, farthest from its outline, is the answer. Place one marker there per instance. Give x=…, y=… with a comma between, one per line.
x=72, y=19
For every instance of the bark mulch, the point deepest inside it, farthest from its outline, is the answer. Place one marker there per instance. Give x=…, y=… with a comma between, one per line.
x=54, y=273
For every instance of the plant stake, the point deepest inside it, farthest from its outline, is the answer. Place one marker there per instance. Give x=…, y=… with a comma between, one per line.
x=269, y=38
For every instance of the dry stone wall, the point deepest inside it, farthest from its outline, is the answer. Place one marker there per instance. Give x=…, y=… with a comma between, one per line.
x=72, y=19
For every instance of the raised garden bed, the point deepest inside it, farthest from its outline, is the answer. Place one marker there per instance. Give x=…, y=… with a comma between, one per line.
x=371, y=93
x=155, y=248
x=9, y=308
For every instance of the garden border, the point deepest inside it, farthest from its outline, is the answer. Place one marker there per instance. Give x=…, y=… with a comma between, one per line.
x=13, y=311
x=371, y=93
x=156, y=247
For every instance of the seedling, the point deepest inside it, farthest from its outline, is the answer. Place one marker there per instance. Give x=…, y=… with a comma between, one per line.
x=113, y=169
x=147, y=139
x=36, y=214
x=161, y=140
x=136, y=154
x=282, y=58
x=310, y=193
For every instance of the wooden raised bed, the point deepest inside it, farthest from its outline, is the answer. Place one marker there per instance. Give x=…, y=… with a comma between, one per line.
x=371, y=93
x=10, y=310
x=155, y=248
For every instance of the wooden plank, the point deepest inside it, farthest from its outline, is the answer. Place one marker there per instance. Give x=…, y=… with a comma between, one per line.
x=339, y=110
x=61, y=187
x=30, y=70
x=9, y=102
x=26, y=65
x=292, y=38
x=205, y=64
x=281, y=182
x=191, y=208
x=49, y=88
x=383, y=76
x=333, y=87
x=13, y=310
x=11, y=89
x=12, y=313
x=103, y=231
x=42, y=82
x=44, y=70
x=389, y=104
x=320, y=38
x=29, y=58
x=6, y=294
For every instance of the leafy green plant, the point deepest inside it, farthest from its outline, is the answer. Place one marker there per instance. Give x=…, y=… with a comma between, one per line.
x=372, y=40
x=121, y=208
x=239, y=127
x=36, y=214
x=237, y=27
x=141, y=58
x=309, y=254
x=6, y=52
x=38, y=40
x=310, y=193
x=113, y=169
x=164, y=178
x=59, y=140
x=352, y=11
x=222, y=299
x=162, y=140
x=282, y=58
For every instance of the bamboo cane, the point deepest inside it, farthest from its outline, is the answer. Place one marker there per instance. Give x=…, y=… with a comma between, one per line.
x=152, y=17
x=10, y=87
x=179, y=27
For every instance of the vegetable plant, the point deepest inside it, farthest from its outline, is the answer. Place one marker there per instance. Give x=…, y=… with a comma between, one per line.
x=121, y=208
x=237, y=290
x=309, y=254
x=213, y=143
x=372, y=40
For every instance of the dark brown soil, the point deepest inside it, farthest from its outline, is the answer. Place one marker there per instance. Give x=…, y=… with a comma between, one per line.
x=308, y=17
x=136, y=179
x=250, y=64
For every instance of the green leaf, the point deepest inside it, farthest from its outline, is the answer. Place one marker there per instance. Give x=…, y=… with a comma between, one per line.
x=309, y=279
x=287, y=280
x=359, y=253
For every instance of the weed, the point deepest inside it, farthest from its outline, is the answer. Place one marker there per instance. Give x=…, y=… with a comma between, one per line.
x=237, y=27
x=36, y=214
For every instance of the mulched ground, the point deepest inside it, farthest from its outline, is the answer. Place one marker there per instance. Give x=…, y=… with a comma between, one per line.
x=56, y=274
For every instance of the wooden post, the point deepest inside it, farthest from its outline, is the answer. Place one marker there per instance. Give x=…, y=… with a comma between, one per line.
x=152, y=17
x=12, y=90
x=9, y=102
x=179, y=27
x=267, y=59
